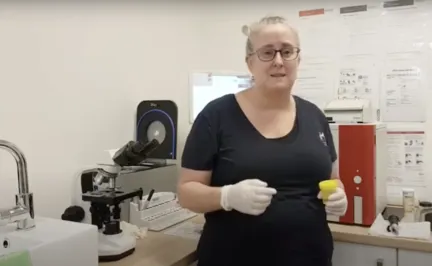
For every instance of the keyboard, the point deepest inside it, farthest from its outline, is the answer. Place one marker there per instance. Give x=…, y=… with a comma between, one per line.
x=167, y=218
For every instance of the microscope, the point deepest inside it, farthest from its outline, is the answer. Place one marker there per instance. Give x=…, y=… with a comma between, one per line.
x=98, y=189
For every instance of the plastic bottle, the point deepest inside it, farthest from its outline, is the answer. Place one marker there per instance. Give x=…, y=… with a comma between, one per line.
x=408, y=196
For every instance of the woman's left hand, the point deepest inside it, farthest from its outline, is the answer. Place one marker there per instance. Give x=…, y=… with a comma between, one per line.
x=337, y=203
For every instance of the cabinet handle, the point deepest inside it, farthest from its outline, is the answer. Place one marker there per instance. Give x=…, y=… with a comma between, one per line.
x=380, y=262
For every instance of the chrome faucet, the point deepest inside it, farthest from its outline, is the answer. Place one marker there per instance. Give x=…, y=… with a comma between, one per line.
x=23, y=212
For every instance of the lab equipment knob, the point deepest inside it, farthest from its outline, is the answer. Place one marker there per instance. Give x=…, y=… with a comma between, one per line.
x=380, y=262
x=357, y=179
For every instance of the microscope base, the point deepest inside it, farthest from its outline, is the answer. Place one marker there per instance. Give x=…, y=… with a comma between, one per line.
x=115, y=247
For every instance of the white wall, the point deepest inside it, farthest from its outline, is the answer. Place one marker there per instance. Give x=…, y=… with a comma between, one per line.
x=71, y=76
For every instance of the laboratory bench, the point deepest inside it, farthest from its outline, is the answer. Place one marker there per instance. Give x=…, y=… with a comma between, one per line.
x=353, y=246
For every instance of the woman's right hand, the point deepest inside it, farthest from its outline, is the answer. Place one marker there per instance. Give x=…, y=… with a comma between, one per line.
x=251, y=196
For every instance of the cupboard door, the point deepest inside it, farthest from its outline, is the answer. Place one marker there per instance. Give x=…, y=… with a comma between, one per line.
x=363, y=255
x=414, y=258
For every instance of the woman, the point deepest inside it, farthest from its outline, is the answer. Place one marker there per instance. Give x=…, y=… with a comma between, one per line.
x=253, y=161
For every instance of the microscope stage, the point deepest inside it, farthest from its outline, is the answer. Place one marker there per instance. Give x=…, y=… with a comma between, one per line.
x=110, y=197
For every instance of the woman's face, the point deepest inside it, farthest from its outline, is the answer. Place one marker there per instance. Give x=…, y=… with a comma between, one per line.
x=275, y=60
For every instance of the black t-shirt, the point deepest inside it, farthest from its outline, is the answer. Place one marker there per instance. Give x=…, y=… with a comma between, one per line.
x=293, y=230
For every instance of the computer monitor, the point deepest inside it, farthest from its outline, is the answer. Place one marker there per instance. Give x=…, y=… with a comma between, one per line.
x=207, y=86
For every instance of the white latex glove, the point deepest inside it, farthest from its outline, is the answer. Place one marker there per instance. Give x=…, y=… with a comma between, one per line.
x=337, y=202
x=133, y=230
x=251, y=196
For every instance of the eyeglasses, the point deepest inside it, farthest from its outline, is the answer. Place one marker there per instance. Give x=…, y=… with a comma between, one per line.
x=267, y=54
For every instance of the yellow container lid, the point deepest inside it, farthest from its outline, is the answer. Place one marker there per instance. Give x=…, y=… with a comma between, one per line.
x=328, y=185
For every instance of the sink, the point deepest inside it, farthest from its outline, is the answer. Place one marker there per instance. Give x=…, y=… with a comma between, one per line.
x=53, y=242
x=10, y=244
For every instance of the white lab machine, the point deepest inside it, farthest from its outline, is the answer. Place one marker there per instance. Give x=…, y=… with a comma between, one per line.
x=349, y=111
x=361, y=146
x=160, y=212
x=362, y=166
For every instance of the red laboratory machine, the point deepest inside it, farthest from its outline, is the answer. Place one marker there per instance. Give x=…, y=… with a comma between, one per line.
x=362, y=165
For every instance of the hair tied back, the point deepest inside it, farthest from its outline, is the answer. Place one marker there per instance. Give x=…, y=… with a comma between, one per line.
x=246, y=30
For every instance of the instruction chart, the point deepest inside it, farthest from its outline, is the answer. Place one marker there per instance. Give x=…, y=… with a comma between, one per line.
x=406, y=167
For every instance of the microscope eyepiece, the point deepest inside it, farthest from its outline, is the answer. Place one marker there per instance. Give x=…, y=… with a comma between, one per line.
x=135, y=152
x=145, y=148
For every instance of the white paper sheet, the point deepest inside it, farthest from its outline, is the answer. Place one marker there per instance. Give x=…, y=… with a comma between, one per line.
x=406, y=15
x=361, y=29
x=362, y=22
x=315, y=32
x=315, y=81
x=406, y=166
x=189, y=230
x=403, y=89
x=405, y=28
x=359, y=78
x=404, y=38
x=362, y=43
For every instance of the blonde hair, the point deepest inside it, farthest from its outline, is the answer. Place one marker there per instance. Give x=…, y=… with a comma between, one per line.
x=256, y=27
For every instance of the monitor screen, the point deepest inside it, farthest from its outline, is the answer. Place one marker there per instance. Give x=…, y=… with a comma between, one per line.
x=205, y=87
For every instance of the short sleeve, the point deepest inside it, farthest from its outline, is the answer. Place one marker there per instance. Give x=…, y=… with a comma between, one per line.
x=201, y=144
x=329, y=139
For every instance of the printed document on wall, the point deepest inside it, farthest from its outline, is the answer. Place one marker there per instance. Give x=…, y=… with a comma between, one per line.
x=359, y=78
x=315, y=81
x=361, y=19
x=405, y=13
x=406, y=167
x=403, y=88
x=319, y=32
x=405, y=25
x=361, y=24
